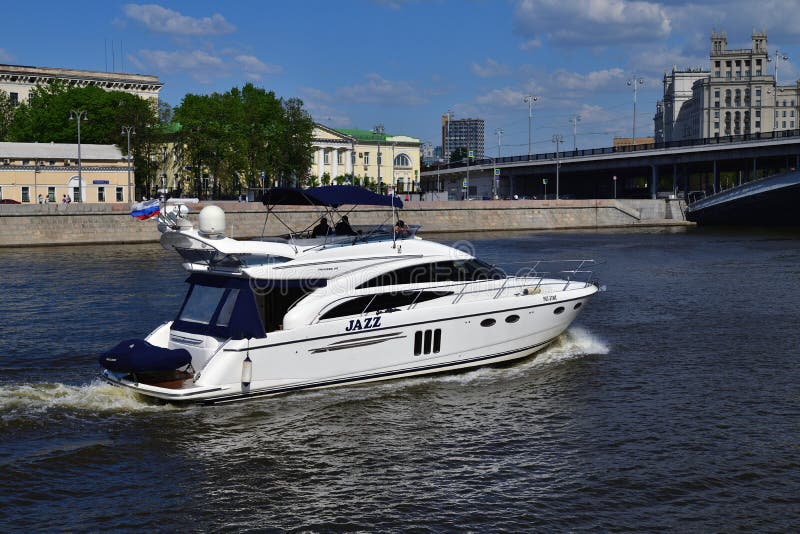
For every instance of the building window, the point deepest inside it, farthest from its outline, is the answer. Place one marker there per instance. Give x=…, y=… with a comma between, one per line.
x=26, y=162
x=758, y=91
x=716, y=64
x=119, y=194
x=758, y=113
x=26, y=194
x=338, y=157
x=716, y=104
x=758, y=124
x=366, y=158
x=13, y=98
x=783, y=125
x=353, y=158
x=1, y=193
x=716, y=114
x=758, y=72
x=728, y=75
x=784, y=113
x=716, y=93
x=791, y=125
x=401, y=160
x=101, y=194
x=325, y=157
x=716, y=74
x=716, y=125
x=51, y=194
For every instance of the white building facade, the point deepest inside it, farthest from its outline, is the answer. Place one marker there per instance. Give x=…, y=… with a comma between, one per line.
x=737, y=96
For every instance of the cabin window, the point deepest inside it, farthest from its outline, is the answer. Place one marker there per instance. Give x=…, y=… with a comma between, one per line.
x=202, y=304
x=219, y=307
x=382, y=302
x=444, y=271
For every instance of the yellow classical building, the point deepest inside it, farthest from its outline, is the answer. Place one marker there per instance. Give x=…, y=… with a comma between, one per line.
x=39, y=172
x=386, y=160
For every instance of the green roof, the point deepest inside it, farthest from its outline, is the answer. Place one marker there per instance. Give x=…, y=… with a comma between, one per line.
x=363, y=135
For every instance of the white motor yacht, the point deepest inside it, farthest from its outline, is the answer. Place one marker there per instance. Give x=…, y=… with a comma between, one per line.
x=276, y=315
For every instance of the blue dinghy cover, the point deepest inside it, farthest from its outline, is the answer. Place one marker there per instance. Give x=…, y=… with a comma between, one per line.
x=139, y=356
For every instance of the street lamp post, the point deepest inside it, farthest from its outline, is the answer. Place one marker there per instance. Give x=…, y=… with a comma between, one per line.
x=530, y=99
x=635, y=83
x=499, y=133
x=128, y=130
x=558, y=139
x=79, y=115
x=574, y=120
x=778, y=58
x=615, y=187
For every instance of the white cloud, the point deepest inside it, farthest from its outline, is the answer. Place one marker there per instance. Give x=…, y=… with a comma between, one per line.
x=378, y=90
x=590, y=82
x=200, y=65
x=591, y=22
x=162, y=20
x=254, y=68
x=489, y=69
x=506, y=97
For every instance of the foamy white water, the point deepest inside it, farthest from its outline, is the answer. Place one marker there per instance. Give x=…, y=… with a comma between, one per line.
x=96, y=396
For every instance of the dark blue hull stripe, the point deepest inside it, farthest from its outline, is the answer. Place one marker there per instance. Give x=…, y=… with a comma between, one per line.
x=342, y=381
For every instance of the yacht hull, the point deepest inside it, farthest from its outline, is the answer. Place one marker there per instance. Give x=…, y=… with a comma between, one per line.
x=374, y=348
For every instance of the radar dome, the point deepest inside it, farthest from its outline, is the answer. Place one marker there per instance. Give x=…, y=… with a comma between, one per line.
x=212, y=221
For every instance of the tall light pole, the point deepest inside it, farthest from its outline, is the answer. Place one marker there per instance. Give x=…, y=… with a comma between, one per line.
x=558, y=139
x=530, y=99
x=128, y=130
x=574, y=120
x=635, y=83
x=78, y=115
x=778, y=58
x=378, y=131
x=499, y=133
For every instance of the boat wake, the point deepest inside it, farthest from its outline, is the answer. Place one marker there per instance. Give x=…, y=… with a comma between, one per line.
x=96, y=396
x=575, y=343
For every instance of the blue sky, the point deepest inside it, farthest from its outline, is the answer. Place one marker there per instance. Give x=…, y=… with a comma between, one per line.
x=403, y=63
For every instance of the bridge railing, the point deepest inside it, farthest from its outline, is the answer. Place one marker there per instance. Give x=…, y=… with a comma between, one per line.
x=548, y=156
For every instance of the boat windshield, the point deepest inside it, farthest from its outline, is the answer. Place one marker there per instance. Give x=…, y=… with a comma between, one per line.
x=220, y=307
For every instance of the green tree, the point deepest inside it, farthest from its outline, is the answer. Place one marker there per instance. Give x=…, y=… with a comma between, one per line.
x=6, y=115
x=238, y=134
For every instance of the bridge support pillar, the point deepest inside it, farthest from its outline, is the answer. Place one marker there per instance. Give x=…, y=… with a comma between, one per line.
x=716, y=177
x=654, y=181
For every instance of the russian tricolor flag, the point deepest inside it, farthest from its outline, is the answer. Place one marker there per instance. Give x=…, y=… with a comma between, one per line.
x=145, y=210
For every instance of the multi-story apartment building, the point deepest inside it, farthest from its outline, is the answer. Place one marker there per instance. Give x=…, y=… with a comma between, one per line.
x=469, y=134
x=386, y=159
x=18, y=80
x=736, y=96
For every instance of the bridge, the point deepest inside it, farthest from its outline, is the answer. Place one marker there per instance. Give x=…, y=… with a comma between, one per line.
x=684, y=169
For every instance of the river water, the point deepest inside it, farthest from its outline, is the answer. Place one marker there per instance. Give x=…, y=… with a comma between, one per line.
x=673, y=403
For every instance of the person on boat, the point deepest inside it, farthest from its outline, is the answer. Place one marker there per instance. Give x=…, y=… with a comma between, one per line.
x=343, y=227
x=322, y=229
x=400, y=229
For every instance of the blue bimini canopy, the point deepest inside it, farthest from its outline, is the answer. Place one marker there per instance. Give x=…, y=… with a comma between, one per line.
x=328, y=195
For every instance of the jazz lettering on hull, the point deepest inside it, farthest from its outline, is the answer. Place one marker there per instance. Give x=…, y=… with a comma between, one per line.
x=358, y=324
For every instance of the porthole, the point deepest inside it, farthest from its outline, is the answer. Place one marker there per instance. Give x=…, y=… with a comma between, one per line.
x=488, y=322
x=512, y=318
x=577, y=305
x=559, y=310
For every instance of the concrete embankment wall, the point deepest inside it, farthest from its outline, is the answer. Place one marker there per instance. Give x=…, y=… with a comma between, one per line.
x=76, y=224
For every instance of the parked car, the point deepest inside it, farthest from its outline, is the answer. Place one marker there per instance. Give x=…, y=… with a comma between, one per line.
x=9, y=201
